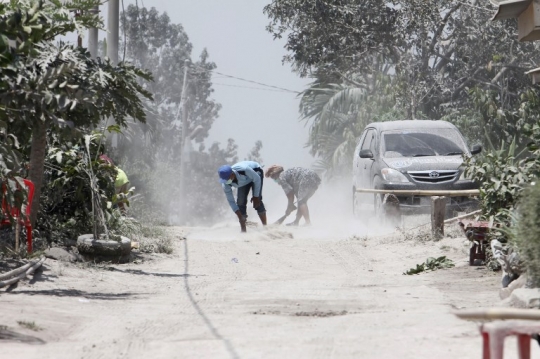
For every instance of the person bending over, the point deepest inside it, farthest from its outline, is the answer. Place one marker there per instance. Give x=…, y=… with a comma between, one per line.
x=246, y=176
x=299, y=182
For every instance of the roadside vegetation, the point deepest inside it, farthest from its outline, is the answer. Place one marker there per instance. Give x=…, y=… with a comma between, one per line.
x=30, y=325
x=526, y=237
x=57, y=107
x=52, y=97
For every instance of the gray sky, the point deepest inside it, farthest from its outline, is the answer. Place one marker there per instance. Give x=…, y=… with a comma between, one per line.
x=234, y=34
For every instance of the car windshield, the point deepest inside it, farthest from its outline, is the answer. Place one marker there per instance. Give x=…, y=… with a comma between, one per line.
x=422, y=142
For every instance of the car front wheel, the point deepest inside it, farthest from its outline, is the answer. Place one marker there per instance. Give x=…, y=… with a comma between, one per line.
x=378, y=200
x=356, y=204
x=378, y=206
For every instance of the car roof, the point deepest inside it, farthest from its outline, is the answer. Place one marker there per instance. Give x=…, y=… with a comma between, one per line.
x=409, y=125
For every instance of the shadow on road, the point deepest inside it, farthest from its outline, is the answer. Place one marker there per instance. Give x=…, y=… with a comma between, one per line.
x=10, y=335
x=78, y=293
x=141, y=272
x=199, y=310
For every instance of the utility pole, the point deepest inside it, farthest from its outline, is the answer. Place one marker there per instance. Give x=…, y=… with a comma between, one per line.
x=79, y=38
x=183, y=142
x=113, y=31
x=93, y=37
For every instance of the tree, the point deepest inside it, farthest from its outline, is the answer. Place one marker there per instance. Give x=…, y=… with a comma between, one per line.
x=151, y=152
x=156, y=44
x=255, y=153
x=435, y=59
x=207, y=203
x=333, y=35
x=337, y=114
x=47, y=86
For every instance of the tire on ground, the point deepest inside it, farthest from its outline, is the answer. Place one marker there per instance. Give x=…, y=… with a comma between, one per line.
x=102, y=249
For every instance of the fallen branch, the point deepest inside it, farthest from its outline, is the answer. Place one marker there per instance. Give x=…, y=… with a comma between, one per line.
x=29, y=270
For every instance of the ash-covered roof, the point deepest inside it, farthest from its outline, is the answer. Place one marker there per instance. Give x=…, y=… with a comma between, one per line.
x=509, y=9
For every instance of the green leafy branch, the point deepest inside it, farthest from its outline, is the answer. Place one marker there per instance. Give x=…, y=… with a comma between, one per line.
x=431, y=264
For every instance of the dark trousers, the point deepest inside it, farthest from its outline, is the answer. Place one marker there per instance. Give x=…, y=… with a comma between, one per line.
x=243, y=193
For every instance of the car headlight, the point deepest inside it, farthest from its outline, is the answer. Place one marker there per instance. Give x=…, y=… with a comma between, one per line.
x=392, y=175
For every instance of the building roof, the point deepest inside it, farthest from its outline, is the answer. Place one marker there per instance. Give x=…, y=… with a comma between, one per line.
x=509, y=9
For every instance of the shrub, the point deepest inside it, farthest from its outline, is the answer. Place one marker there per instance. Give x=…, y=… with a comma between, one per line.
x=66, y=210
x=527, y=238
x=502, y=178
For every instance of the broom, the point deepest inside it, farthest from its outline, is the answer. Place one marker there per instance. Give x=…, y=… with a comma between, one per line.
x=281, y=219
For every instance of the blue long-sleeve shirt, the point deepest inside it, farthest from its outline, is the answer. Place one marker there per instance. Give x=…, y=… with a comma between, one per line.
x=243, y=180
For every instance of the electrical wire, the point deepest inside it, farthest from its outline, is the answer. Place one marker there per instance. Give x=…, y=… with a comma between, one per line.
x=249, y=87
x=256, y=83
x=275, y=88
x=250, y=81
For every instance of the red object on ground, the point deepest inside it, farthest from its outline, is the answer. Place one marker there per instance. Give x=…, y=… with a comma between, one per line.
x=476, y=232
x=494, y=333
x=16, y=213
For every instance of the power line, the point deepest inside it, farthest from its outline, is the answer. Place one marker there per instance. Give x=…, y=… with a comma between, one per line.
x=249, y=87
x=257, y=83
x=250, y=81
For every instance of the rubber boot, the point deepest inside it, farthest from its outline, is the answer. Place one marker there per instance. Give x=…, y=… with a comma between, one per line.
x=262, y=216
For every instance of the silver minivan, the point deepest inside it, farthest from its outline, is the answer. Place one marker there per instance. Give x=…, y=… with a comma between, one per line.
x=411, y=155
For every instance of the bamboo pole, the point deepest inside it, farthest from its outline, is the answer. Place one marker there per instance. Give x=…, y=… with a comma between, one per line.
x=474, y=213
x=17, y=234
x=17, y=271
x=498, y=314
x=418, y=192
x=23, y=274
x=450, y=220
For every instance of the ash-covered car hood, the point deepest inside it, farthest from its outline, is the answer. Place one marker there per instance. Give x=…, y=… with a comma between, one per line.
x=424, y=163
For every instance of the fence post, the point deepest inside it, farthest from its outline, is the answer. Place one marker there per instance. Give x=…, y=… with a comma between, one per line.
x=438, y=210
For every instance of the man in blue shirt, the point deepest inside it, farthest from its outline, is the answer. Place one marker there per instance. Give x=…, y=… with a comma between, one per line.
x=246, y=176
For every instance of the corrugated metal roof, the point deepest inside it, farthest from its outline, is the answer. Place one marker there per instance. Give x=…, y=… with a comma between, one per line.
x=510, y=8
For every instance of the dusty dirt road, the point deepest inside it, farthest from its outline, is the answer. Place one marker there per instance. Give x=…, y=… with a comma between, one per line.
x=260, y=295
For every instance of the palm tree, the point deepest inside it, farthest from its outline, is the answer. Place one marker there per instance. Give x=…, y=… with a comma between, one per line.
x=338, y=113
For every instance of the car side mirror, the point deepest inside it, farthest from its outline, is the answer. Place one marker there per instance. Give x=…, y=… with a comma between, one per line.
x=476, y=149
x=366, y=154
